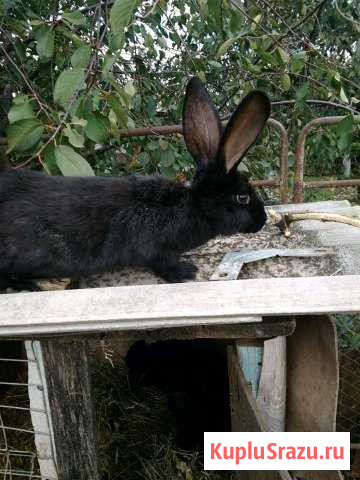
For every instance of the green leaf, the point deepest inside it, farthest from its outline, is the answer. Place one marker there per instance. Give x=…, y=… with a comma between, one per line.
x=343, y=95
x=24, y=134
x=344, y=129
x=120, y=14
x=80, y=58
x=75, y=18
x=108, y=63
x=268, y=58
x=71, y=163
x=335, y=79
x=214, y=63
x=283, y=56
x=116, y=42
x=95, y=128
x=20, y=99
x=67, y=84
x=78, y=121
x=120, y=113
x=297, y=62
x=130, y=89
x=251, y=67
x=76, y=139
x=20, y=112
x=167, y=158
x=286, y=82
x=202, y=76
x=45, y=42
x=224, y=47
x=36, y=23
x=50, y=165
x=301, y=94
x=215, y=13
x=163, y=144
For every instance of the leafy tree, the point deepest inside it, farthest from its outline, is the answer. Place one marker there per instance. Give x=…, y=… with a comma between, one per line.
x=75, y=74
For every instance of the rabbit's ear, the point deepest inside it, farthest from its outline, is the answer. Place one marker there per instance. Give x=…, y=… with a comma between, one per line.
x=243, y=128
x=201, y=124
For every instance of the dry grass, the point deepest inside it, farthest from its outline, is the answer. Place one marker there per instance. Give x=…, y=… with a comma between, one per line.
x=136, y=432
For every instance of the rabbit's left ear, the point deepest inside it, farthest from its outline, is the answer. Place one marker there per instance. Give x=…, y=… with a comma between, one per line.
x=243, y=128
x=201, y=124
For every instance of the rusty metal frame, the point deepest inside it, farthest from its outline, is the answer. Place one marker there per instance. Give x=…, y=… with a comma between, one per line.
x=299, y=160
x=282, y=182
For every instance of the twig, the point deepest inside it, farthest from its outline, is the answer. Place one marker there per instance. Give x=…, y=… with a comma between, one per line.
x=324, y=103
x=353, y=22
x=30, y=87
x=74, y=98
x=246, y=15
x=283, y=221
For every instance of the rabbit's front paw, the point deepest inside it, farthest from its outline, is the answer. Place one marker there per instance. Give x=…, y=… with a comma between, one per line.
x=18, y=284
x=178, y=272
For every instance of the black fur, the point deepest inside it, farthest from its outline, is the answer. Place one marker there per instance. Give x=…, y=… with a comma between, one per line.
x=74, y=226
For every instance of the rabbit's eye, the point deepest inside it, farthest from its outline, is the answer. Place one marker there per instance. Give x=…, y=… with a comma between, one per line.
x=242, y=199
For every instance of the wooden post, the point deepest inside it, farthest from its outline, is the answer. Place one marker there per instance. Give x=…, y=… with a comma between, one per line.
x=313, y=382
x=271, y=398
x=245, y=416
x=68, y=379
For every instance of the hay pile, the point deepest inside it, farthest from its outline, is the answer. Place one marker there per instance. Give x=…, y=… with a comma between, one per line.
x=136, y=431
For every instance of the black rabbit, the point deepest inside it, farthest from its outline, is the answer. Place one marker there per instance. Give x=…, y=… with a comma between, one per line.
x=74, y=226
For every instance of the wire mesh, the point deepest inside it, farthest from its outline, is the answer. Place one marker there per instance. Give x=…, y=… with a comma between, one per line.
x=348, y=414
x=20, y=392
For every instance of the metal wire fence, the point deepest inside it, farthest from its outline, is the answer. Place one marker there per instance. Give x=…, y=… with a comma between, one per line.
x=25, y=443
x=348, y=415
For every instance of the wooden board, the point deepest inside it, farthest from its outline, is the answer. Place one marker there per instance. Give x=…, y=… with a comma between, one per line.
x=245, y=416
x=270, y=327
x=175, y=305
x=325, y=206
x=69, y=392
x=313, y=381
x=271, y=397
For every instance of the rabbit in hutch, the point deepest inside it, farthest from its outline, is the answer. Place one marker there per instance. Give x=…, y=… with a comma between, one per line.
x=53, y=227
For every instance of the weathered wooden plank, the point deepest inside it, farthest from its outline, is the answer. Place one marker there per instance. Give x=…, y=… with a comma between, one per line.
x=68, y=380
x=313, y=382
x=271, y=398
x=269, y=328
x=325, y=206
x=40, y=410
x=245, y=416
x=251, y=362
x=175, y=305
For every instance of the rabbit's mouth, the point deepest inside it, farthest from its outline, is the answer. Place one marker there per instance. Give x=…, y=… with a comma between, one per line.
x=258, y=224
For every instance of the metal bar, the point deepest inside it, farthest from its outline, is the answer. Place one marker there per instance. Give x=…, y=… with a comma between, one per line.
x=17, y=453
x=284, y=159
x=16, y=360
x=300, y=151
x=11, y=407
x=24, y=430
x=275, y=182
x=22, y=473
x=282, y=182
x=16, y=384
x=332, y=183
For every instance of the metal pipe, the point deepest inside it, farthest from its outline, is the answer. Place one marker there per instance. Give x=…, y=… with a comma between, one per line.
x=284, y=160
x=332, y=183
x=300, y=151
x=281, y=182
